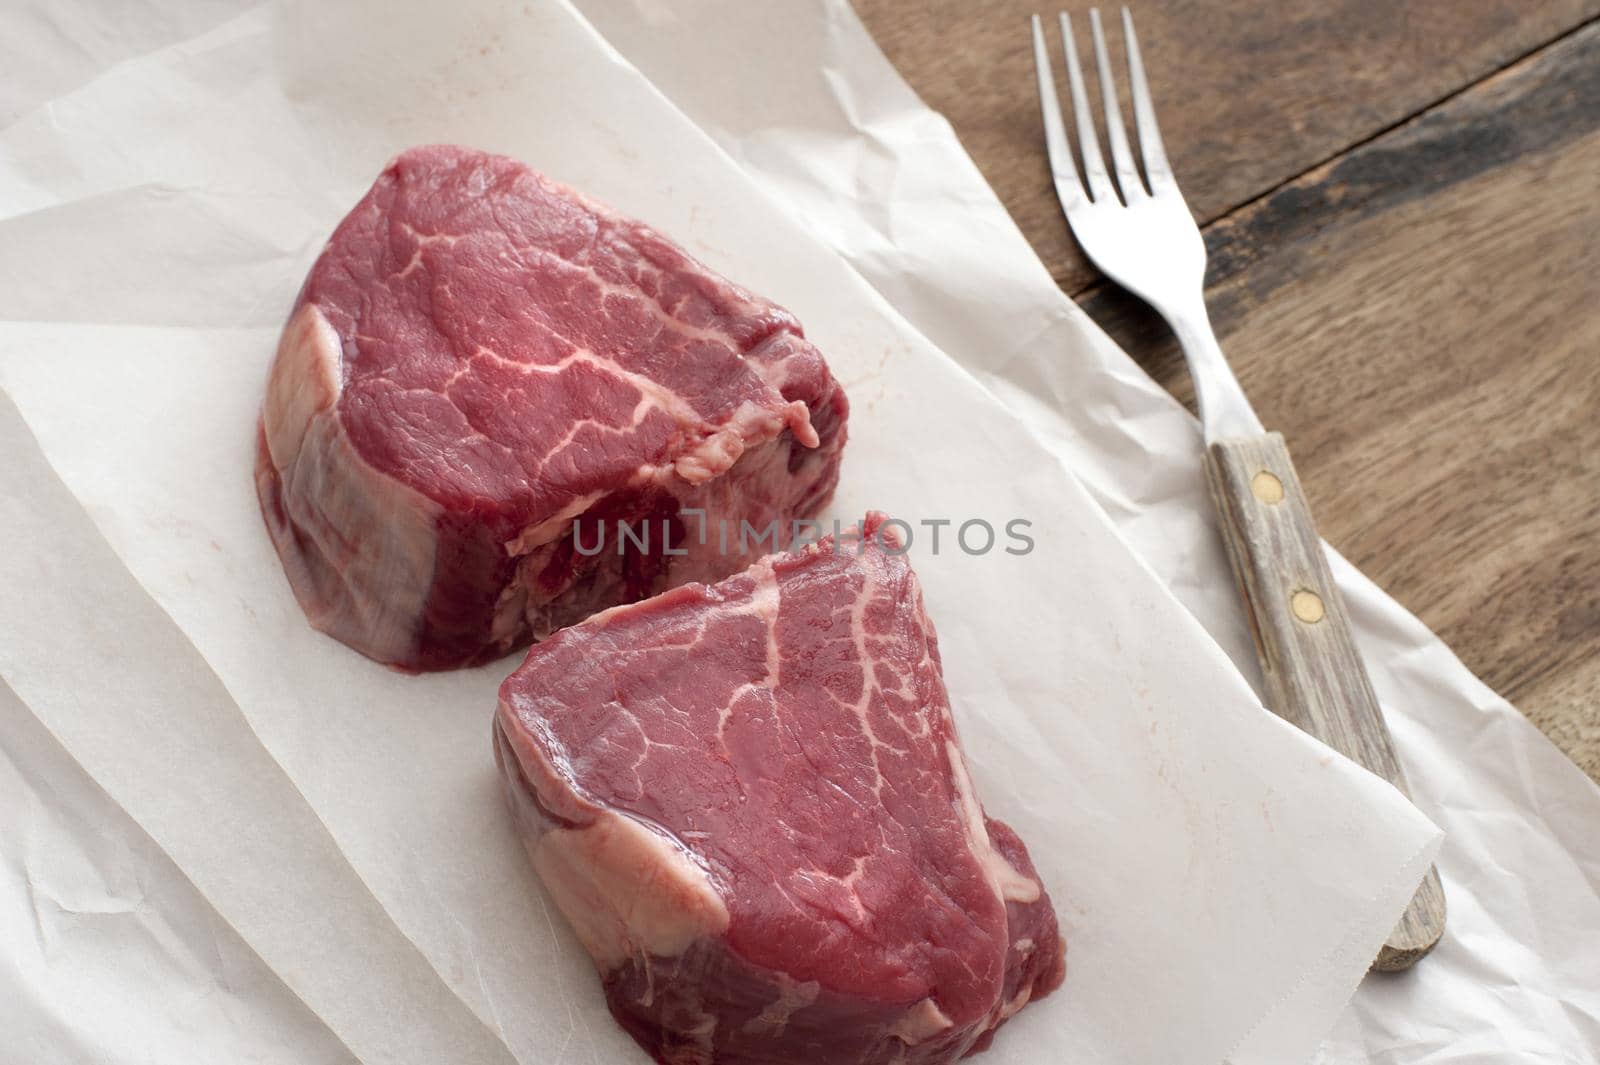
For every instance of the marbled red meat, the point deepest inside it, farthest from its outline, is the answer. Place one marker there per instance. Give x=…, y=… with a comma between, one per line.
x=482, y=358
x=749, y=800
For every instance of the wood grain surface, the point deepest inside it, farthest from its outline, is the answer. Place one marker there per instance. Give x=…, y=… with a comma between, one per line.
x=1402, y=206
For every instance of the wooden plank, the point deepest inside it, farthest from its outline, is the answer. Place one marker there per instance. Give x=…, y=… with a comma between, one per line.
x=1249, y=94
x=1421, y=318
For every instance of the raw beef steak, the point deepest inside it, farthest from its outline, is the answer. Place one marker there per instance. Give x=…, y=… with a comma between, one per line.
x=483, y=361
x=749, y=801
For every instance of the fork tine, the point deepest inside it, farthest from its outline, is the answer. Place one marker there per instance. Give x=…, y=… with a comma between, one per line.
x=1094, y=167
x=1121, y=157
x=1156, y=168
x=1068, y=188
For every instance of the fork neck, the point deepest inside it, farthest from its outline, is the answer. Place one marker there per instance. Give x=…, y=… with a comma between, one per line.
x=1225, y=412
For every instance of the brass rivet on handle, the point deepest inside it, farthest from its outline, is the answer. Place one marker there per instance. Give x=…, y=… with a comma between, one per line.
x=1307, y=606
x=1267, y=487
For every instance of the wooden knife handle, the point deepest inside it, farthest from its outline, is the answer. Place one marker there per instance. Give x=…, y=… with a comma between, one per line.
x=1314, y=674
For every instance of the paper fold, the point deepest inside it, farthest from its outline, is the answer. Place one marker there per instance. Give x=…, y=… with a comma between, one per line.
x=111, y=954
x=135, y=705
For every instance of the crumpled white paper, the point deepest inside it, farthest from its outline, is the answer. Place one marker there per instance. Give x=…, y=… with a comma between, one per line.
x=131, y=701
x=831, y=131
x=1203, y=855
x=111, y=955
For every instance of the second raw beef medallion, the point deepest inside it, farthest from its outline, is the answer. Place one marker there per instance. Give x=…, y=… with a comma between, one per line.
x=749, y=800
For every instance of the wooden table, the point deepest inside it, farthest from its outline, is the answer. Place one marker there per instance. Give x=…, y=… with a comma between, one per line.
x=1402, y=206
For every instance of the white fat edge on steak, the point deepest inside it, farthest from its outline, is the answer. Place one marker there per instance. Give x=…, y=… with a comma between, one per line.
x=377, y=533
x=553, y=528
x=921, y=1022
x=627, y=888
x=750, y=423
x=1009, y=884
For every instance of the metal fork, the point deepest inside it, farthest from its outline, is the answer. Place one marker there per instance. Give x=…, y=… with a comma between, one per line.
x=1147, y=241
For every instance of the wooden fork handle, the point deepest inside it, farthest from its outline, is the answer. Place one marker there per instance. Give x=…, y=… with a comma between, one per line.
x=1314, y=674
